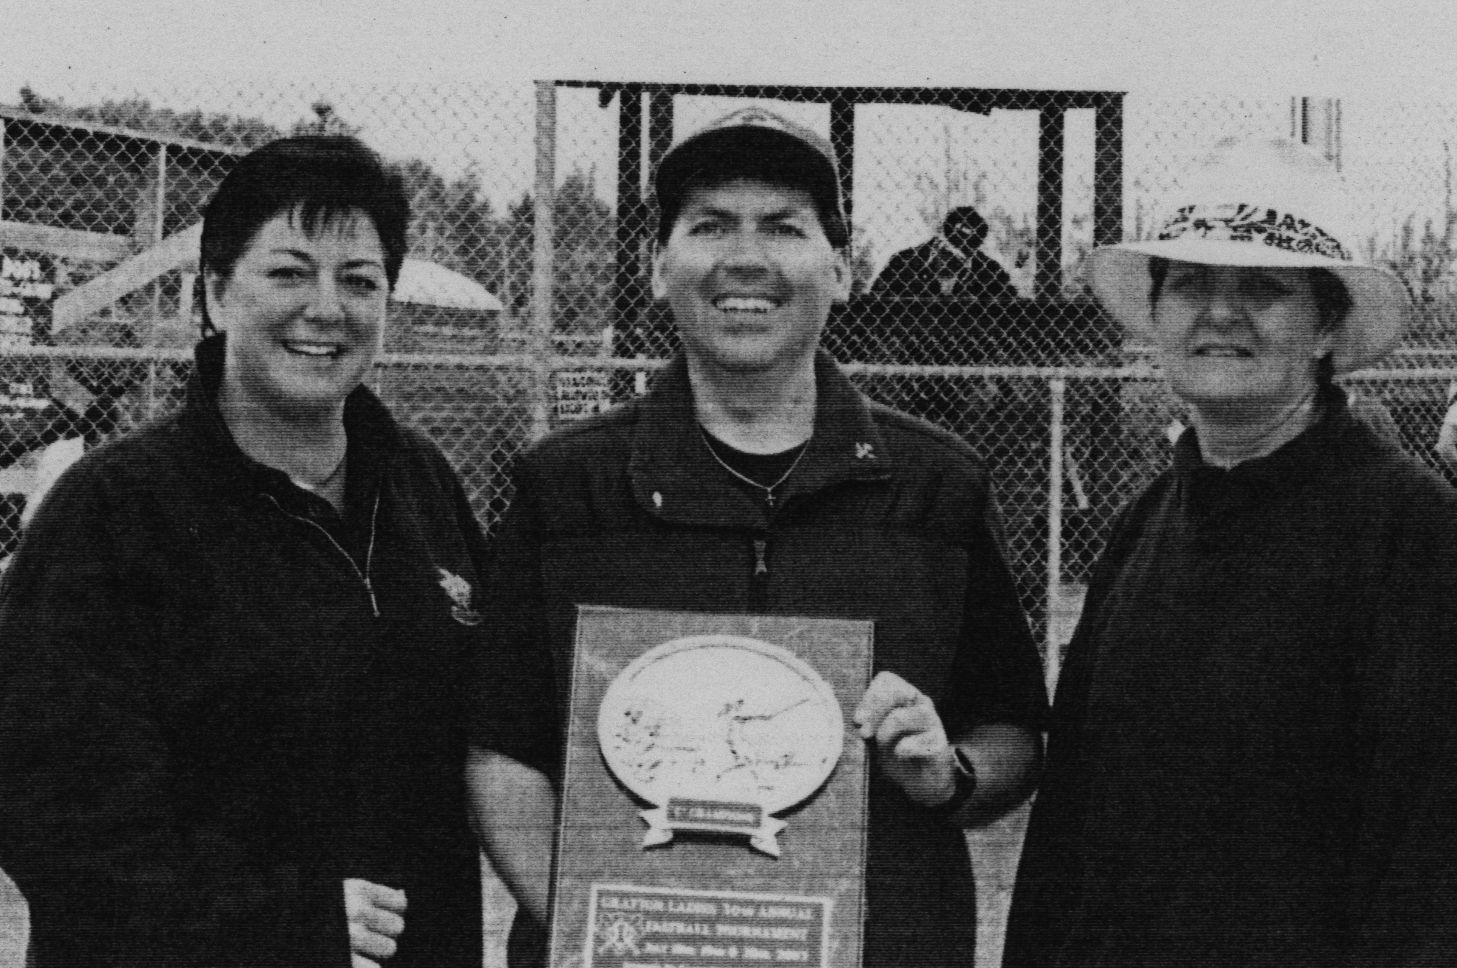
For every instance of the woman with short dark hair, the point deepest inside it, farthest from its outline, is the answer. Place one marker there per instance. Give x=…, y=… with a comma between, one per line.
x=230, y=719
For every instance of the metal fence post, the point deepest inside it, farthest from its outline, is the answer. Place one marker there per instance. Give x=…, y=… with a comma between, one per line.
x=150, y=399
x=4, y=131
x=158, y=228
x=542, y=285
x=1057, y=389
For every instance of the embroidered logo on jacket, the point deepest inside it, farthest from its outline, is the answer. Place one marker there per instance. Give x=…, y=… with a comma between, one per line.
x=459, y=591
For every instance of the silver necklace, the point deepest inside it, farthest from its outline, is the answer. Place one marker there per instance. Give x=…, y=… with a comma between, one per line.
x=767, y=489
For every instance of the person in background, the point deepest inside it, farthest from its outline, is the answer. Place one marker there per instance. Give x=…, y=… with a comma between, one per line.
x=230, y=720
x=1249, y=756
x=754, y=478
x=949, y=266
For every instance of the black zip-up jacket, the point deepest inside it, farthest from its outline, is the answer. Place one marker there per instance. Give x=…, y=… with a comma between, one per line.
x=1250, y=761
x=220, y=699
x=885, y=518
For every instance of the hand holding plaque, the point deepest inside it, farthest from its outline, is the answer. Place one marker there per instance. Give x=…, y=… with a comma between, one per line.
x=903, y=723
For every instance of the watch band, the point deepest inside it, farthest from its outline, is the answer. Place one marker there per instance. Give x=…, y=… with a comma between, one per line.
x=964, y=773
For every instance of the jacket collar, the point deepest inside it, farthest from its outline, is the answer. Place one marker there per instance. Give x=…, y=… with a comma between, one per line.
x=372, y=433
x=1310, y=455
x=675, y=477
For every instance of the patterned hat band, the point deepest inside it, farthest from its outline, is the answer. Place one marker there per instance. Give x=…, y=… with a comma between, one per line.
x=1254, y=223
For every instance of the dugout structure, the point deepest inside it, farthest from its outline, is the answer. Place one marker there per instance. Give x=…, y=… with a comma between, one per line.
x=645, y=132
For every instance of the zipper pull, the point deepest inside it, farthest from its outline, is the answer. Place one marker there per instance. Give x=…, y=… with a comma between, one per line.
x=761, y=560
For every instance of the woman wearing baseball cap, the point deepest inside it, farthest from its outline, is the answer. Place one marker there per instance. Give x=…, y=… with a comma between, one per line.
x=1240, y=766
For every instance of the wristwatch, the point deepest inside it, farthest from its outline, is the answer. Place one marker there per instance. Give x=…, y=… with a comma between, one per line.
x=964, y=774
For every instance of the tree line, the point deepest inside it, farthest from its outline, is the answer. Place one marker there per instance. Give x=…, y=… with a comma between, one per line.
x=99, y=183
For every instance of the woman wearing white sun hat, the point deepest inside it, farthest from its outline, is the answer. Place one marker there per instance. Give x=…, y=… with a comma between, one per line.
x=1244, y=765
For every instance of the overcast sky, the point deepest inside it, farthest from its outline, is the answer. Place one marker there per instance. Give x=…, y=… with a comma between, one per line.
x=230, y=55
x=1336, y=46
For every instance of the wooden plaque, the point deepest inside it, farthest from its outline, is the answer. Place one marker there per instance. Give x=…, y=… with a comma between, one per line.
x=714, y=798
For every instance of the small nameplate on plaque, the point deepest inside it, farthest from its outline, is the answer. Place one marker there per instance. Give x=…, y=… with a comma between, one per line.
x=644, y=927
x=713, y=816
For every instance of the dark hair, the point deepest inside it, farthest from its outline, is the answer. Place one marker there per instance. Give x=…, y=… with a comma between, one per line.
x=967, y=219
x=1332, y=303
x=320, y=176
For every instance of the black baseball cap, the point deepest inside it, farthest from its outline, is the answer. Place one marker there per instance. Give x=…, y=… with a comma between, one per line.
x=753, y=143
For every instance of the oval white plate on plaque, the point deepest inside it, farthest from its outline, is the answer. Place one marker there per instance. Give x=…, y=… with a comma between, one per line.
x=721, y=718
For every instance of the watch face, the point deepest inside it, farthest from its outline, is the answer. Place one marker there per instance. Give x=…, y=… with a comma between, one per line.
x=720, y=717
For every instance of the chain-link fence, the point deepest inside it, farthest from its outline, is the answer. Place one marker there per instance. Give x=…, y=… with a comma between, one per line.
x=535, y=202
x=525, y=303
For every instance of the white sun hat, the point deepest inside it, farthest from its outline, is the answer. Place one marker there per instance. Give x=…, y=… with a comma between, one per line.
x=1268, y=203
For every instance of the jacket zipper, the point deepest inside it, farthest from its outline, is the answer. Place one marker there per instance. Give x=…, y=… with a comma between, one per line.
x=363, y=576
x=759, y=577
